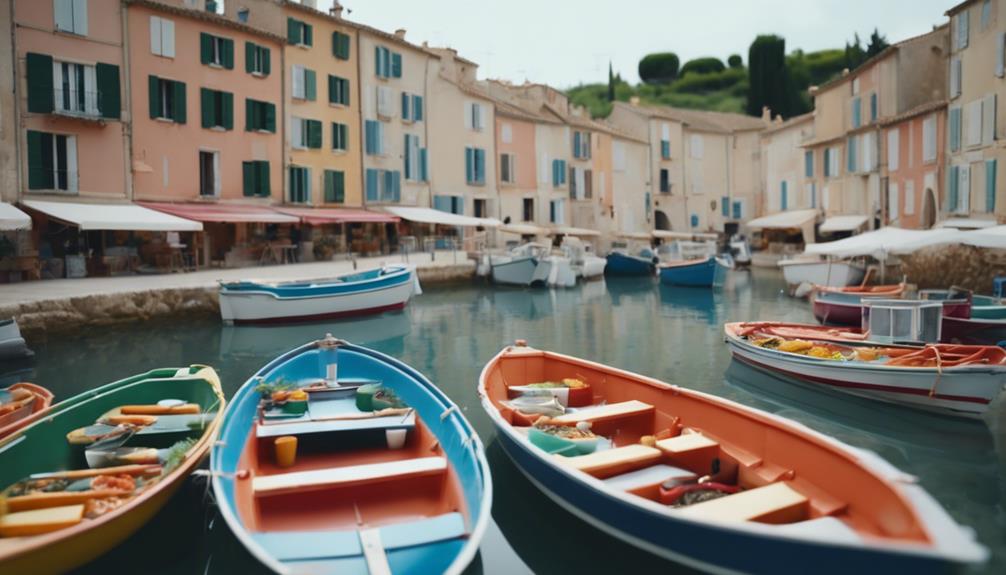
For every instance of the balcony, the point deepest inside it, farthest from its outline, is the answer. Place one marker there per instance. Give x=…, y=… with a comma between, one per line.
x=79, y=104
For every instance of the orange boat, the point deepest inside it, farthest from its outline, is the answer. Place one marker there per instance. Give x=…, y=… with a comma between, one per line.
x=711, y=483
x=20, y=405
x=890, y=291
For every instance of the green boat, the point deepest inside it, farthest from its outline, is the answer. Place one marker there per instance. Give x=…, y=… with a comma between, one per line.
x=987, y=307
x=61, y=512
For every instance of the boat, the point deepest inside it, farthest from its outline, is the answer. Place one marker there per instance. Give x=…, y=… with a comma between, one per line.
x=740, y=249
x=623, y=263
x=977, y=331
x=21, y=404
x=814, y=271
x=585, y=263
x=844, y=306
x=959, y=380
x=532, y=264
x=981, y=306
x=101, y=464
x=12, y=345
x=370, y=291
x=336, y=458
x=706, y=272
x=708, y=482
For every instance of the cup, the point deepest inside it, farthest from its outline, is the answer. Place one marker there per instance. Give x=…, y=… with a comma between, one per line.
x=286, y=450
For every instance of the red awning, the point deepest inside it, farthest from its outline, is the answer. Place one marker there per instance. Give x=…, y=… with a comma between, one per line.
x=317, y=216
x=223, y=212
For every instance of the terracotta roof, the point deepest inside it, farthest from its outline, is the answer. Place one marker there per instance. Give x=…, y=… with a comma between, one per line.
x=703, y=120
x=317, y=13
x=207, y=17
x=795, y=120
x=819, y=141
x=916, y=111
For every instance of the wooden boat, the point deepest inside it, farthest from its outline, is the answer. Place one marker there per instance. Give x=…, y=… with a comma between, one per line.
x=20, y=405
x=387, y=476
x=981, y=306
x=814, y=271
x=622, y=263
x=844, y=306
x=705, y=272
x=85, y=512
x=796, y=497
x=977, y=331
x=369, y=291
x=957, y=380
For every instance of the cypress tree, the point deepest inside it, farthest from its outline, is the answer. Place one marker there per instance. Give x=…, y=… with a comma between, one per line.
x=611, y=83
x=768, y=80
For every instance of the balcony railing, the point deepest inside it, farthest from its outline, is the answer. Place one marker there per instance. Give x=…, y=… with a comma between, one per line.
x=80, y=103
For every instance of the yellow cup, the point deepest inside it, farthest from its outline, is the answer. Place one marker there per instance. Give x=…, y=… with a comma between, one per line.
x=286, y=450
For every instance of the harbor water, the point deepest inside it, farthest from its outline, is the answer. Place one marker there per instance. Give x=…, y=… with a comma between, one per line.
x=448, y=333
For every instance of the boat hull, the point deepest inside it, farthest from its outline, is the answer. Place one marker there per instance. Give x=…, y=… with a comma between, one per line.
x=973, y=331
x=518, y=271
x=591, y=268
x=703, y=273
x=15, y=421
x=387, y=293
x=840, y=274
x=625, y=265
x=830, y=312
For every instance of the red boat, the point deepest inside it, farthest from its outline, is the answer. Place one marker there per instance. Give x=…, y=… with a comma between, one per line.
x=21, y=404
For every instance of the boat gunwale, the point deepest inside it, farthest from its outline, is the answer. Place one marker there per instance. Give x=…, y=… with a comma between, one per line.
x=398, y=269
x=280, y=297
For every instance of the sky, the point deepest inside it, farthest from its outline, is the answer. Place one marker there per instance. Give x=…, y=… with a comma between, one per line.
x=568, y=42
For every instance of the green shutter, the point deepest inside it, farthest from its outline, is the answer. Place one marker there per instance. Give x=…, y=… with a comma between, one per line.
x=229, y=54
x=308, y=35
x=990, y=186
x=340, y=187
x=40, y=89
x=264, y=187
x=109, y=102
x=249, y=115
x=314, y=134
x=266, y=61
x=248, y=171
x=249, y=57
x=228, y=111
x=293, y=31
x=206, y=105
x=270, y=117
x=40, y=173
x=310, y=85
x=331, y=90
x=344, y=46
x=205, y=48
x=344, y=136
x=329, y=177
x=154, y=91
x=180, y=114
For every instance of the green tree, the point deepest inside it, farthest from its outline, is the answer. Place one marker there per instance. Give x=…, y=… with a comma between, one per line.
x=877, y=44
x=854, y=53
x=735, y=61
x=659, y=68
x=703, y=66
x=769, y=82
x=611, y=83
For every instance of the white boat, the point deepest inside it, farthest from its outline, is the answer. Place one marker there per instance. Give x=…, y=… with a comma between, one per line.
x=370, y=291
x=532, y=263
x=12, y=345
x=740, y=249
x=820, y=272
x=585, y=263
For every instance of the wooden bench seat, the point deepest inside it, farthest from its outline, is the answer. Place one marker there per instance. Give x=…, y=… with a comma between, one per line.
x=774, y=503
x=613, y=461
x=603, y=413
x=693, y=451
x=349, y=475
x=648, y=477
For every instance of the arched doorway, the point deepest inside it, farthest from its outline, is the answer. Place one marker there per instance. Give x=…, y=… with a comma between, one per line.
x=661, y=221
x=928, y=209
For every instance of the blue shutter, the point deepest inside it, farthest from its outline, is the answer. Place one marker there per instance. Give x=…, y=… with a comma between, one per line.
x=725, y=206
x=695, y=220
x=783, y=200
x=408, y=148
x=371, y=185
x=417, y=108
x=368, y=137
x=442, y=203
x=396, y=65
x=480, y=165
x=827, y=162
x=952, y=188
x=857, y=110
x=737, y=209
x=813, y=194
x=576, y=144
x=808, y=164
x=873, y=107
x=990, y=186
x=469, y=165
x=405, y=106
x=955, y=129
x=850, y=155
x=555, y=173
x=397, y=181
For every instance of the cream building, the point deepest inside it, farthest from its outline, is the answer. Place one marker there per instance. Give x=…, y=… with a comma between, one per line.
x=787, y=168
x=630, y=201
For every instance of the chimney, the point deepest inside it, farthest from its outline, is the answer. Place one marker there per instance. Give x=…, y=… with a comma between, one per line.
x=336, y=10
x=766, y=114
x=400, y=33
x=634, y=100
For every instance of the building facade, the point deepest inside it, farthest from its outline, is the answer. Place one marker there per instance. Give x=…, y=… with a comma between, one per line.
x=516, y=164
x=914, y=165
x=788, y=169
x=8, y=119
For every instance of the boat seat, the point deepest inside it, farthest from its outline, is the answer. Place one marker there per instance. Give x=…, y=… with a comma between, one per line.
x=615, y=461
x=773, y=503
x=350, y=475
x=315, y=545
x=647, y=477
x=306, y=426
x=690, y=450
x=606, y=412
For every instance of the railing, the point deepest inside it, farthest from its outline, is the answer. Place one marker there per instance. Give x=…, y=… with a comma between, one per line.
x=77, y=102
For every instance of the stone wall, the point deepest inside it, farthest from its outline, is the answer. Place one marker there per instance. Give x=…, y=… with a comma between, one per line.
x=966, y=266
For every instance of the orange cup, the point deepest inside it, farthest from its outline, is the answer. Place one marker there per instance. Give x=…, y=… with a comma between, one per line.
x=286, y=450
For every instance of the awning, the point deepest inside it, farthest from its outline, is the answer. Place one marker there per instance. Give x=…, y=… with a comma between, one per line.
x=231, y=213
x=12, y=218
x=524, y=229
x=966, y=223
x=669, y=235
x=985, y=238
x=113, y=217
x=571, y=231
x=783, y=220
x=889, y=240
x=431, y=216
x=318, y=216
x=842, y=224
x=644, y=236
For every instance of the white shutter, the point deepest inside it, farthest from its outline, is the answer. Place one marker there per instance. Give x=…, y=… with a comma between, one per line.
x=955, y=77
x=909, y=198
x=892, y=202
x=296, y=133
x=988, y=119
x=384, y=107
x=892, y=150
x=1001, y=54
x=155, y=35
x=964, y=189
x=167, y=38
x=468, y=115
x=929, y=139
x=80, y=17
x=507, y=133
x=973, y=111
x=63, y=15
x=864, y=153
x=482, y=116
x=580, y=183
x=665, y=131
x=298, y=81
x=90, y=90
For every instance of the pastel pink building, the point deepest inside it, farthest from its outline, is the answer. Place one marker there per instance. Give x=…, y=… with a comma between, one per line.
x=914, y=160
x=516, y=167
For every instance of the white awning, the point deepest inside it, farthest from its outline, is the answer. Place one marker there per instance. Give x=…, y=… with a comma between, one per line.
x=669, y=235
x=113, y=217
x=842, y=224
x=985, y=238
x=12, y=218
x=783, y=220
x=634, y=235
x=570, y=231
x=966, y=223
x=431, y=216
x=880, y=243
x=524, y=229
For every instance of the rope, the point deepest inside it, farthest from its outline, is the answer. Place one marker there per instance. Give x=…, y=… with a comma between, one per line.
x=939, y=371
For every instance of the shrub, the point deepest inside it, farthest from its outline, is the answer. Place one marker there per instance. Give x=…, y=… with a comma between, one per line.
x=703, y=66
x=659, y=68
x=735, y=61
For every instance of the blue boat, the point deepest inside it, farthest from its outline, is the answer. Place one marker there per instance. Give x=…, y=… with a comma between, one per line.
x=707, y=272
x=335, y=458
x=621, y=263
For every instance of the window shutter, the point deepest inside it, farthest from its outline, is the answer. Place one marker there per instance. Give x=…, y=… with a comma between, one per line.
x=40, y=83
x=952, y=188
x=249, y=57
x=206, y=101
x=63, y=10
x=396, y=65
x=340, y=187
x=167, y=38
x=377, y=61
x=154, y=92
x=873, y=107
x=310, y=85
x=344, y=46
x=576, y=144
x=371, y=184
x=266, y=61
x=109, y=102
x=228, y=54
x=248, y=178
x=990, y=186
x=180, y=114
x=892, y=149
x=329, y=184
x=308, y=34
x=344, y=136
x=405, y=111
x=368, y=137
x=344, y=91
x=332, y=95
x=783, y=193
x=480, y=165
x=1000, y=54
x=262, y=176
x=408, y=148
x=80, y=17
x=40, y=174
x=293, y=35
x=469, y=165
x=423, y=170
x=417, y=108
x=228, y=111
x=205, y=48
x=270, y=117
x=155, y=35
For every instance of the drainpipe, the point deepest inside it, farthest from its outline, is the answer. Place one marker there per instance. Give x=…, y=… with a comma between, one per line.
x=684, y=184
x=729, y=170
x=18, y=112
x=127, y=123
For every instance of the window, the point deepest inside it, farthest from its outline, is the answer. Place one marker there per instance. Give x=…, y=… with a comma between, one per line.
x=71, y=88
x=256, y=178
x=783, y=195
x=388, y=64
x=831, y=161
x=810, y=189
x=340, y=45
x=305, y=133
x=857, y=109
x=665, y=181
x=557, y=212
x=216, y=51
x=929, y=139
x=892, y=150
x=304, y=83
x=986, y=14
x=988, y=120
x=338, y=90
x=479, y=208
x=384, y=107
x=412, y=107
x=581, y=145
x=990, y=186
x=892, y=202
x=75, y=89
x=665, y=149
x=954, y=128
x=527, y=211
x=383, y=185
x=738, y=209
x=71, y=16
x=955, y=77
x=558, y=173
x=217, y=109
x=299, y=33
x=506, y=133
x=167, y=99
x=873, y=107
x=962, y=22
x=257, y=59
x=340, y=137
x=52, y=162
x=959, y=189
x=374, y=138
x=851, y=159
x=868, y=151
x=973, y=117
x=588, y=184
x=618, y=156
x=243, y=14
x=260, y=116
x=414, y=157
x=335, y=187
x=696, y=142
x=475, y=166
x=162, y=37
x=475, y=116
x=300, y=185
x=507, y=173
x=209, y=174
x=449, y=204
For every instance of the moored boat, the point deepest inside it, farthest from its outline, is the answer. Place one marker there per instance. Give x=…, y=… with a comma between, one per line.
x=706, y=272
x=622, y=263
x=20, y=405
x=814, y=271
x=12, y=344
x=370, y=291
x=687, y=475
x=844, y=306
x=101, y=464
x=337, y=458
x=584, y=262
